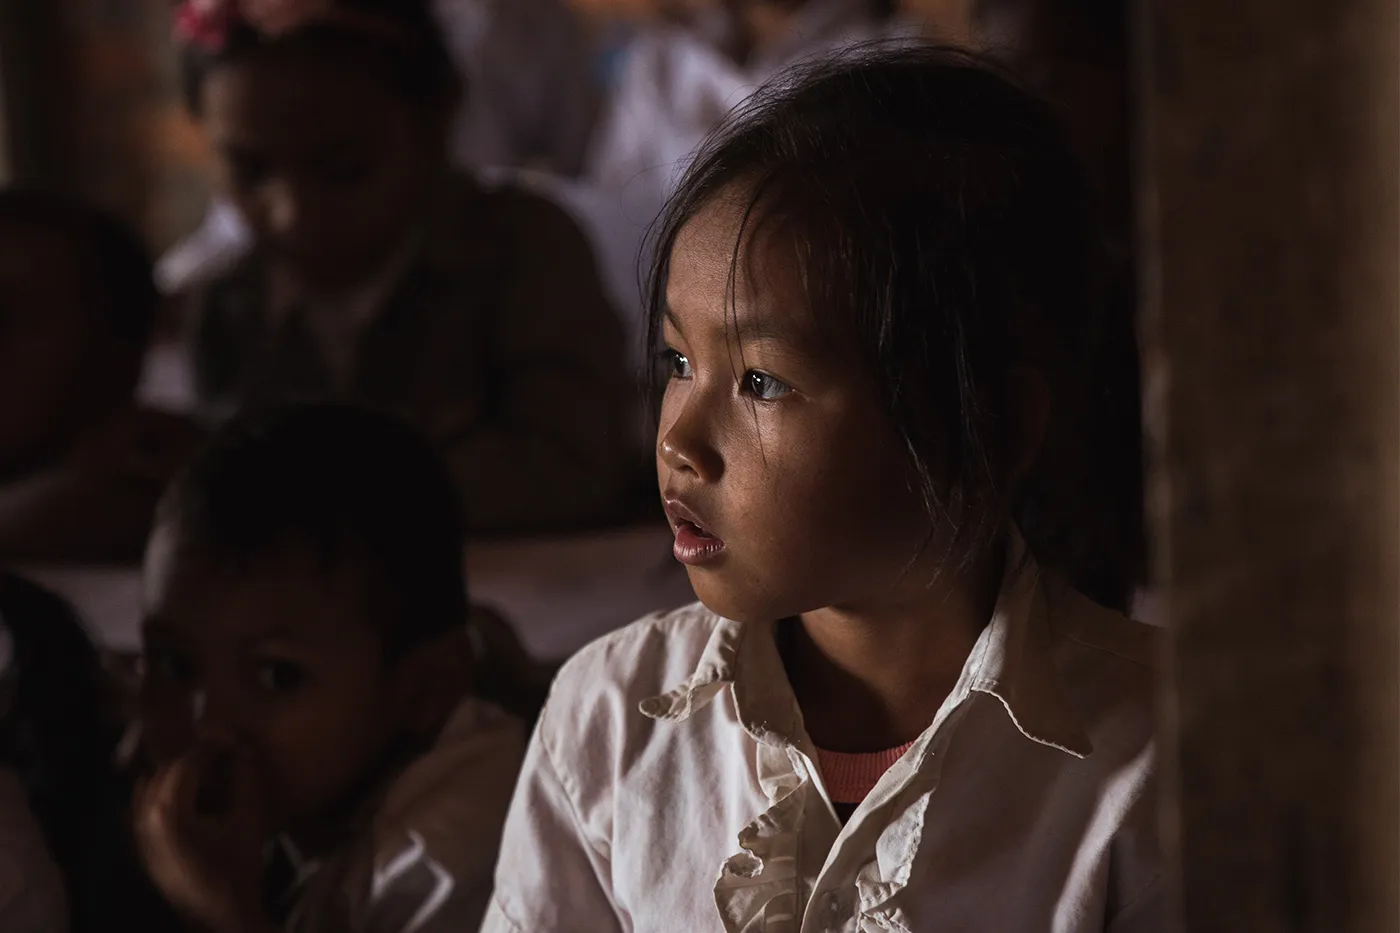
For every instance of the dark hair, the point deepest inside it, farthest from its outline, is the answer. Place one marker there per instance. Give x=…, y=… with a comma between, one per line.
x=350, y=485
x=114, y=262
x=940, y=221
x=409, y=51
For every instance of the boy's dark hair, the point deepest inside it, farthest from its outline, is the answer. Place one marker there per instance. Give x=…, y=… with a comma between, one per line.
x=399, y=40
x=349, y=484
x=939, y=221
x=114, y=261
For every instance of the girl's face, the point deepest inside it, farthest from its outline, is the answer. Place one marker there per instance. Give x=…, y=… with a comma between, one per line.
x=787, y=485
x=329, y=167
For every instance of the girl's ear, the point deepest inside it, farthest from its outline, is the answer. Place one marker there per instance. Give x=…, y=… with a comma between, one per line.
x=1029, y=395
x=431, y=679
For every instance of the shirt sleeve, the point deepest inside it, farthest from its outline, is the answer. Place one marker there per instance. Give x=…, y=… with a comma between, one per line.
x=551, y=875
x=566, y=421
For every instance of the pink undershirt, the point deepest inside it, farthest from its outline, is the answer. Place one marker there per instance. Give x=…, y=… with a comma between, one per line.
x=850, y=778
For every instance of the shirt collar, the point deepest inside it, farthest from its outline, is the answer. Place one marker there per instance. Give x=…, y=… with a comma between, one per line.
x=1012, y=661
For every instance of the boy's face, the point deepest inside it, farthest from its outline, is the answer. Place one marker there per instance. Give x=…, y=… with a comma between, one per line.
x=52, y=354
x=329, y=168
x=774, y=441
x=282, y=659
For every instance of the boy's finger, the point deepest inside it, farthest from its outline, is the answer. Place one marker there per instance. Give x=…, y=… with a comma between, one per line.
x=175, y=788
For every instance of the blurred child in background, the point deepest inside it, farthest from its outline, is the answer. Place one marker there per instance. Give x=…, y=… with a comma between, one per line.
x=81, y=463
x=676, y=82
x=381, y=276
x=531, y=99
x=308, y=686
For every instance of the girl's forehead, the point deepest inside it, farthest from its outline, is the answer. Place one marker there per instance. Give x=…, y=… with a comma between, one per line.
x=729, y=267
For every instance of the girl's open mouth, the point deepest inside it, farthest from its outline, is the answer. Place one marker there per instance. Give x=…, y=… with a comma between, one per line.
x=694, y=545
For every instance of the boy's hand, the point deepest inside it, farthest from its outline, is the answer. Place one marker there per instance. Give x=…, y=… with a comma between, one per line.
x=201, y=825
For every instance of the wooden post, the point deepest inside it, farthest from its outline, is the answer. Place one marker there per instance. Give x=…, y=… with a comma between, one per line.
x=1270, y=221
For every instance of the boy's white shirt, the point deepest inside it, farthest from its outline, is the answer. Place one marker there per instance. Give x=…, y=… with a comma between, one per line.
x=424, y=862
x=670, y=785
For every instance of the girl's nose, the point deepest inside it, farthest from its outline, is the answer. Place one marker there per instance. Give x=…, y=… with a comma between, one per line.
x=685, y=446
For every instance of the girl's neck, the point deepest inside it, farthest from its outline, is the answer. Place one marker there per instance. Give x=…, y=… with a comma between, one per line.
x=873, y=678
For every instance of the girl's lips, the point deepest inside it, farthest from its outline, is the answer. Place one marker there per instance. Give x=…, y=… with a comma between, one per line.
x=694, y=546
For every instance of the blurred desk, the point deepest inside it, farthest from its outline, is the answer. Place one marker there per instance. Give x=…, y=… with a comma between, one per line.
x=558, y=593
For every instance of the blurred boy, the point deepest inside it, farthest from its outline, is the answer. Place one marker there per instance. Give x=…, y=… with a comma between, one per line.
x=81, y=464
x=308, y=684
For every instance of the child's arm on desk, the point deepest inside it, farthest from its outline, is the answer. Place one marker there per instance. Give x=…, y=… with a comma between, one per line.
x=96, y=506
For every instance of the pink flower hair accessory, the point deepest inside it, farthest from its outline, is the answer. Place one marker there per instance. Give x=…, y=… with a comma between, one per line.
x=206, y=23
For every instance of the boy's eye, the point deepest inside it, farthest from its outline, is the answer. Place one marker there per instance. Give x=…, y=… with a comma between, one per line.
x=281, y=676
x=677, y=365
x=763, y=386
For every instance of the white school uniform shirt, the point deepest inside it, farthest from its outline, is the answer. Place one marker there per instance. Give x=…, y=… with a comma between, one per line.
x=675, y=86
x=421, y=862
x=670, y=786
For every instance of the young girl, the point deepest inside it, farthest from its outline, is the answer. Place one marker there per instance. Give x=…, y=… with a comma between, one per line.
x=890, y=711
x=381, y=277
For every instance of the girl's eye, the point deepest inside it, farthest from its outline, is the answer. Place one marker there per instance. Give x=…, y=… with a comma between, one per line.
x=677, y=365
x=763, y=386
x=281, y=676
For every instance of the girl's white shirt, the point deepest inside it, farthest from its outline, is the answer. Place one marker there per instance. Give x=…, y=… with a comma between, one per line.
x=670, y=785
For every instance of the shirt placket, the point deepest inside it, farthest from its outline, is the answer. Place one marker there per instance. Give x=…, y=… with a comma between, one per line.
x=870, y=862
